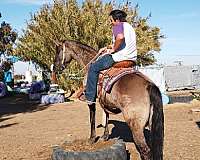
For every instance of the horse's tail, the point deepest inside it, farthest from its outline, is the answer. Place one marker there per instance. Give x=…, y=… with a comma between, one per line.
x=157, y=127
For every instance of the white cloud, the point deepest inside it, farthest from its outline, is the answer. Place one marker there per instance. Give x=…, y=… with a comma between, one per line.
x=30, y=2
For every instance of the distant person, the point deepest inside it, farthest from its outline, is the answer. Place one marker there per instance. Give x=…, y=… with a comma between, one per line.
x=8, y=79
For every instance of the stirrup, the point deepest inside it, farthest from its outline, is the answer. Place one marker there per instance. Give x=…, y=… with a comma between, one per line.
x=82, y=97
x=90, y=103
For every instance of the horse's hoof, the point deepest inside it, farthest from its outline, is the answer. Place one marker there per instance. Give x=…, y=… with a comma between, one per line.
x=104, y=138
x=93, y=140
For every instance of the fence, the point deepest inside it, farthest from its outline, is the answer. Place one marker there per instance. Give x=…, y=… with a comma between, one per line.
x=174, y=77
x=182, y=77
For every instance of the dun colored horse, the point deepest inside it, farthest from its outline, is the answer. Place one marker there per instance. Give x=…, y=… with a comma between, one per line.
x=136, y=97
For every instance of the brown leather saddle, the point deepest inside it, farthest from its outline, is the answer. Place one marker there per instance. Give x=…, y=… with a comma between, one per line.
x=124, y=64
x=108, y=77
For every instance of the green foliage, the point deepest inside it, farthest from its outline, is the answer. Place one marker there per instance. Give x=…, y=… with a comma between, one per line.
x=147, y=41
x=6, y=66
x=7, y=38
x=89, y=24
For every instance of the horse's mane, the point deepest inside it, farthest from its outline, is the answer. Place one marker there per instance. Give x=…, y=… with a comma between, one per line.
x=81, y=45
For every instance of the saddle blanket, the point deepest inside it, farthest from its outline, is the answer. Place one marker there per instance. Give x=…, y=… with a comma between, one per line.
x=112, y=75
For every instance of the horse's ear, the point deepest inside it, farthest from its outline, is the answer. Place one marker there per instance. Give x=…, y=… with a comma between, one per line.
x=57, y=43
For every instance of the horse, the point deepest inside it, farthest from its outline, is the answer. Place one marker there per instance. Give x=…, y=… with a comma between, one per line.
x=138, y=98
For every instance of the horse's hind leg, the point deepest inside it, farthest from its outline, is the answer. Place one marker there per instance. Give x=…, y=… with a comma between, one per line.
x=92, y=108
x=105, y=125
x=139, y=138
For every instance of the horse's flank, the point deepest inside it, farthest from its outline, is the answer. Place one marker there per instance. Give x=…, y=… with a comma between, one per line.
x=127, y=91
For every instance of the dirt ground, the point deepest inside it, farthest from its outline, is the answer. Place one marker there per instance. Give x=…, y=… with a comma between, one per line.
x=29, y=131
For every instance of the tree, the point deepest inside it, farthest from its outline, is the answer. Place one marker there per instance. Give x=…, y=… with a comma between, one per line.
x=147, y=41
x=87, y=23
x=7, y=38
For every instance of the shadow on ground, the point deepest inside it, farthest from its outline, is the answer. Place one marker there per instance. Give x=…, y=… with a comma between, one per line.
x=198, y=124
x=8, y=125
x=18, y=103
x=120, y=130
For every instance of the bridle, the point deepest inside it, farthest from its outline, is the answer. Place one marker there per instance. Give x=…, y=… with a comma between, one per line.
x=63, y=54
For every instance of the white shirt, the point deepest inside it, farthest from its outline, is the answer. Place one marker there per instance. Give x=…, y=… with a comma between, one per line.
x=129, y=51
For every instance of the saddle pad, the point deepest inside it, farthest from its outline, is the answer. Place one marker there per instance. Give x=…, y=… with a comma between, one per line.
x=114, y=74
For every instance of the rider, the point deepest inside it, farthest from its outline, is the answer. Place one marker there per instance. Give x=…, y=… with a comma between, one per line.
x=123, y=48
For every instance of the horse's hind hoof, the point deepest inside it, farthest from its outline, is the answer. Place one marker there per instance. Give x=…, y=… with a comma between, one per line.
x=104, y=138
x=93, y=140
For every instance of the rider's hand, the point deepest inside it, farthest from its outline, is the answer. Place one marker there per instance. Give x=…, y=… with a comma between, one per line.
x=102, y=50
x=110, y=51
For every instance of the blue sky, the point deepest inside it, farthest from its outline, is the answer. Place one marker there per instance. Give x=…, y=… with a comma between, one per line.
x=179, y=21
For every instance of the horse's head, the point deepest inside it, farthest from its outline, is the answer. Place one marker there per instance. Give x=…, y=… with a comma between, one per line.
x=62, y=57
x=68, y=50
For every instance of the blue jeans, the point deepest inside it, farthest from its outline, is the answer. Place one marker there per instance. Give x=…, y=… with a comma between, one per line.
x=101, y=64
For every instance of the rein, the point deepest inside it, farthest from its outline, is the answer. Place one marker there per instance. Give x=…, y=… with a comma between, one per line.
x=74, y=76
x=92, y=60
